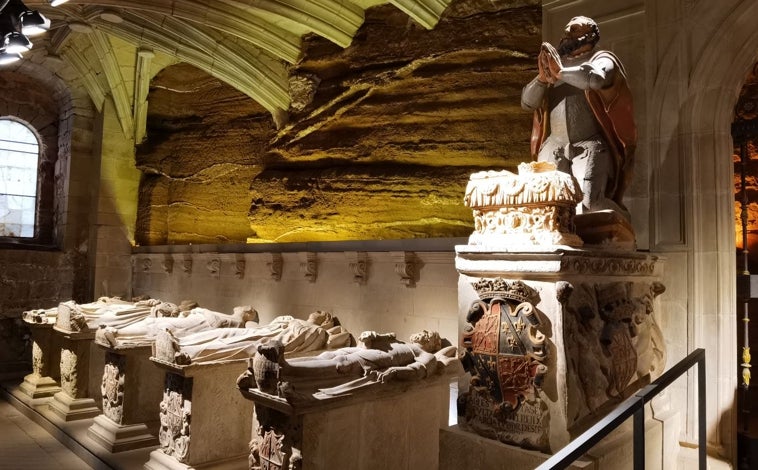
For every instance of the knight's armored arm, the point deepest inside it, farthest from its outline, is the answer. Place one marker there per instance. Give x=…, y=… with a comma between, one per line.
x=533, y=94
x=589, y=75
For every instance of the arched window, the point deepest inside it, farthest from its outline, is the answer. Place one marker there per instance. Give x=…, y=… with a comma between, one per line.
x=19, y=162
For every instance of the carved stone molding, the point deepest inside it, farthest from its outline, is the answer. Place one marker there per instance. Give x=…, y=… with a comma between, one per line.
x=358, y=264
x=406, y=266
x=309, y=266
x=275, y=265
x=112, y=387
x=608, y=265
x=175, y=416
x=214, y=267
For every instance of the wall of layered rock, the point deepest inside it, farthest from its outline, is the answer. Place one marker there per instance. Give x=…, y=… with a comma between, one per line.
x=381, y=138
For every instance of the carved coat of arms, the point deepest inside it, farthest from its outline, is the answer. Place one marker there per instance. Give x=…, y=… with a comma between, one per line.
x=505, y=350
x=270, y=451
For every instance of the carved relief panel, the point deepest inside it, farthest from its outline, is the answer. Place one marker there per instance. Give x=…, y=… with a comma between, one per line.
x=276, y=441
x=175, y=417
x=112, y=387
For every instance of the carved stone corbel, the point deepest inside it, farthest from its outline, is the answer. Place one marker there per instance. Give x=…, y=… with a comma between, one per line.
x=239, y=268
x=309, y=266
x=358, y=263
x=275, y=264
x=187, y=265
x=214, y=267
x=168, y=264
x=406, y=266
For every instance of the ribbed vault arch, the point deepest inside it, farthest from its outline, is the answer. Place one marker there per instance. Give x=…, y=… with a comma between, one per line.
x=246, y=43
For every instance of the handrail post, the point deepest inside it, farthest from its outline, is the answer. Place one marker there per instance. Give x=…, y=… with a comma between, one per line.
x=702, y=443
x=639, y=436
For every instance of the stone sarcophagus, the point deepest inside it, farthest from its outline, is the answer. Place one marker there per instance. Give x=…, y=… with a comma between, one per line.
x=372, y=407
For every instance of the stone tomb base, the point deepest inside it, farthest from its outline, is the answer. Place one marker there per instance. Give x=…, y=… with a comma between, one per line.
x=132, y=390
x=394, y=427
x=461, y=448
x=555, y=340
x=205, y=421
x=42, y=383
x=73, y=402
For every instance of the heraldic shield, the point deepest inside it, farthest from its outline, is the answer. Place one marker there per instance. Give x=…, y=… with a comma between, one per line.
x=504, y=348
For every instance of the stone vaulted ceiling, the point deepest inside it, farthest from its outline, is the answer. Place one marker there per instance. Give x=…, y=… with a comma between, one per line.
x=246, y=43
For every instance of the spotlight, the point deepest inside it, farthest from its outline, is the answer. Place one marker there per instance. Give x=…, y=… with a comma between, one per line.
x=55, y=3
x=7, y=57
x=16, y=42
x=34, y=23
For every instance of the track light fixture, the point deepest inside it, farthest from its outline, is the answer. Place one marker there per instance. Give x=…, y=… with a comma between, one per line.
x=17, y=24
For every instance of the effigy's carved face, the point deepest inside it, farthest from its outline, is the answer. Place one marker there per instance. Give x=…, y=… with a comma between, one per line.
x=580, y=36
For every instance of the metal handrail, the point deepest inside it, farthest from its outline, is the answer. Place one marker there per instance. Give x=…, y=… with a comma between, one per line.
x=635, y=406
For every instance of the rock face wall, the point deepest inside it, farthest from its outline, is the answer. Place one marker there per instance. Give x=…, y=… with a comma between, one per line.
x=381, y=139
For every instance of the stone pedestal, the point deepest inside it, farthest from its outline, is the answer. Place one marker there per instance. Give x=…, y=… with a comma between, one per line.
x=43, y=382
x=394, y=426
x=554, y=339
x=132, y=389
x=204, y=421
x=73, y=401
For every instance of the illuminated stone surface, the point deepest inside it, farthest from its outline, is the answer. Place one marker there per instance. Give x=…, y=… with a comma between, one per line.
x=382, y=149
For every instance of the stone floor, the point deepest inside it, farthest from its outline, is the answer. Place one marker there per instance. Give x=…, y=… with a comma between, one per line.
x=26, y=445
x=33, y=437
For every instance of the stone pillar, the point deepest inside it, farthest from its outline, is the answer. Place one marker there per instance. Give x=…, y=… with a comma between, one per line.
x=132, y=390
x=73, y=401
x=43, y=382
x=204, y=421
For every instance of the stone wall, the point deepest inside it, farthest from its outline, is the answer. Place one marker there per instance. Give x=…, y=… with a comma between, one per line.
x=31, y=279
x=381, y=138
x=388, y=286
